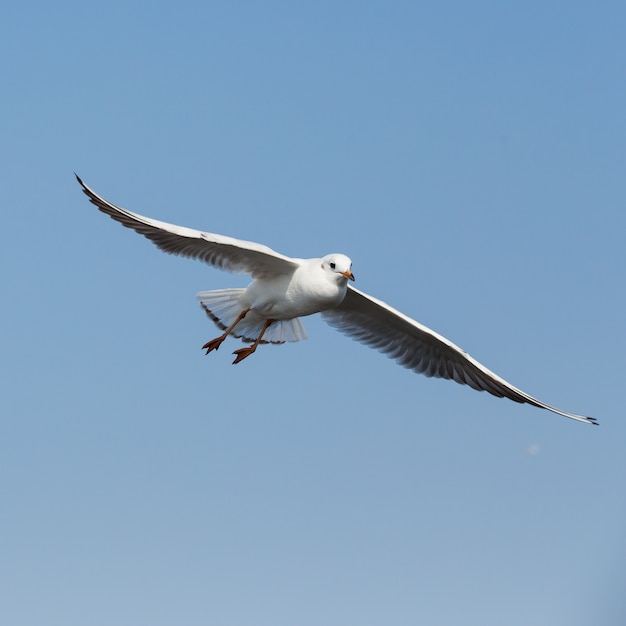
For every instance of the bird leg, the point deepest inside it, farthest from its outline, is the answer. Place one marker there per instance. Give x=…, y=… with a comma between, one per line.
x=214, y=344
x=242, y=353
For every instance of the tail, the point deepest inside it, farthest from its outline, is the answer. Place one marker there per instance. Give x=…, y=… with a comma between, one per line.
x=223, y=306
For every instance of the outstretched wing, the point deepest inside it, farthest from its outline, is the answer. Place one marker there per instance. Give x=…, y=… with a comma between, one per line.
x=416, y=347
x=226, y=253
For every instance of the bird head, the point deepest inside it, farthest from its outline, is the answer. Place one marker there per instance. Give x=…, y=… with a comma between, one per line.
x=338, y=264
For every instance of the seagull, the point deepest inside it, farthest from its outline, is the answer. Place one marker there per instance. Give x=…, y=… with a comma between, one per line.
x=285, y=289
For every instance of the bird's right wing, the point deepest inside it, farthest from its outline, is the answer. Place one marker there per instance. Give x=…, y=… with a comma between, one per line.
x=421, y=349
x=226, y=253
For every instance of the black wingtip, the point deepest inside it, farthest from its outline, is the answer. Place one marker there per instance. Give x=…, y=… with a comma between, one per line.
x=78, y=178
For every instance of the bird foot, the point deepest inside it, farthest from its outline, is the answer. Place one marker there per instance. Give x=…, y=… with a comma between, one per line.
x=214, y=344
x=242, y=353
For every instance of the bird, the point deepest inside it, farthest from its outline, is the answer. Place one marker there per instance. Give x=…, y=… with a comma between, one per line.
x=285, y=289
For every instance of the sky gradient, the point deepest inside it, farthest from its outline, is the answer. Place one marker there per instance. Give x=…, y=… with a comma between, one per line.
x=469, y=158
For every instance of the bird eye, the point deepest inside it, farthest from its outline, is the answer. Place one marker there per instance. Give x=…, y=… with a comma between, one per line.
x=332, y=266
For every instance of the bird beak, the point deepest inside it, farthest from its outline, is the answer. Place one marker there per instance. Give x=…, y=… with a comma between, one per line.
x=348, y=274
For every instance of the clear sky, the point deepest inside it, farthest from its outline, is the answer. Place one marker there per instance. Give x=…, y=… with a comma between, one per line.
x=469, y=157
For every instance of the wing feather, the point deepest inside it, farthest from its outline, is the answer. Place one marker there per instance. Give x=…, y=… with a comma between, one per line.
x=420, y=349
x=225, y=253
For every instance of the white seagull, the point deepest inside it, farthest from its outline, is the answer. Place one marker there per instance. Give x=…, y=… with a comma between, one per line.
x=285, y=289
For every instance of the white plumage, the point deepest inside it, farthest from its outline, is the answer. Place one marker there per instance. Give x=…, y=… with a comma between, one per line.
x=285, y=289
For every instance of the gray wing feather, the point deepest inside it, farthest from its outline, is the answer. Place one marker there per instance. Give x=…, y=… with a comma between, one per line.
x=226, y=253
x=420, y=349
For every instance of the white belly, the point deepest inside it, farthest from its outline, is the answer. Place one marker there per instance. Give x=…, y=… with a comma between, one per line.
x=294, y=295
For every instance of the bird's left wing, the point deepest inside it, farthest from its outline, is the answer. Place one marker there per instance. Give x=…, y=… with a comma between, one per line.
x=226, y=253
x=416, y=347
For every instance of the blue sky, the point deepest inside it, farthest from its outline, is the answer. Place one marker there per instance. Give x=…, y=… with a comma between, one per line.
x=469, y=158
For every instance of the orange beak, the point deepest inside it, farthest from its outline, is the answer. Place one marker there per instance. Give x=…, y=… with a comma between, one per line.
x=348, y=274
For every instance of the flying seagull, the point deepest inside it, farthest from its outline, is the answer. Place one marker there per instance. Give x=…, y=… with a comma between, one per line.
x=285, y=289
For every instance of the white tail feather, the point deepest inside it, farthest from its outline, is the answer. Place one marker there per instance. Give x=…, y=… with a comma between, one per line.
x=223, y=306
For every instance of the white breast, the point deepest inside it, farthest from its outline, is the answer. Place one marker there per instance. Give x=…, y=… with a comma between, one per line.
x=309, y=289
